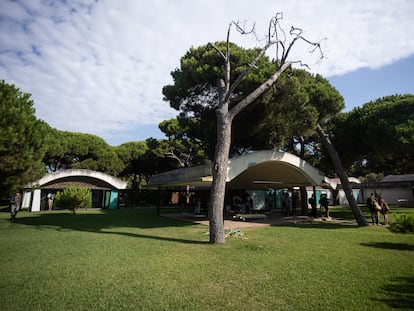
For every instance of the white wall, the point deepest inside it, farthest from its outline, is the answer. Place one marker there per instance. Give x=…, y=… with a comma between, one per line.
x=36, y=201
x=27, y=197
x=391, y=195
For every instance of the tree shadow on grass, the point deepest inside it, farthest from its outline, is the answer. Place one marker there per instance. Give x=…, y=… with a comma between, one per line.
x=399, y=294
x=318, y=225
x=5, y=209
x=386, y=245
x=101, y=222
x=154, y=237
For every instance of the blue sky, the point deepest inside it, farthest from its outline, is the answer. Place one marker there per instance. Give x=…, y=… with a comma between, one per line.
x=98, y=67
x=364, y=85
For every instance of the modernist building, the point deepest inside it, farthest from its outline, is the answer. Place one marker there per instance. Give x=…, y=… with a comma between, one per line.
x=105, y=188
x=255, y=173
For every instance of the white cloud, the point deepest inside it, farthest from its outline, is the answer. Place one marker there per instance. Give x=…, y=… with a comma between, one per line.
x=99, y=66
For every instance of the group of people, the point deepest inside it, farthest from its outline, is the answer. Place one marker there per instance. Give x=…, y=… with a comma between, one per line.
x=323, y=203
x=377, y=204
x=242, y=203
x=16, y=202
x=291, y=203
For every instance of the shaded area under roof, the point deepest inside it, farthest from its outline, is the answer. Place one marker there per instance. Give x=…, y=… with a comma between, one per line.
x=257, y=170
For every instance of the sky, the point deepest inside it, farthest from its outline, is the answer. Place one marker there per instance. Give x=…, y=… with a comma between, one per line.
x=99, y=66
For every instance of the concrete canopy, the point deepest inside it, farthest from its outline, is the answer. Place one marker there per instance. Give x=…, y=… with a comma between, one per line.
x=257, y=170
x=104, y=188
x=91, y=179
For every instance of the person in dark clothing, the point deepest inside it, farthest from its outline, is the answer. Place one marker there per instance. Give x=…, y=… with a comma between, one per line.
x=325, y=204
x=295, y=200
x=312, y=202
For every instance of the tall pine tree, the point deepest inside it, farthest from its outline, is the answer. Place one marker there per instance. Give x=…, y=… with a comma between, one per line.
x=21, y=140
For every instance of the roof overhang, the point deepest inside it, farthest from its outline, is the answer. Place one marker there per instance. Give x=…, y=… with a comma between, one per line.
x=106, y=181
x=257, y=170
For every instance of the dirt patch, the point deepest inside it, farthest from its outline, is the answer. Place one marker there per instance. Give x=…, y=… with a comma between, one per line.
x=271, y=220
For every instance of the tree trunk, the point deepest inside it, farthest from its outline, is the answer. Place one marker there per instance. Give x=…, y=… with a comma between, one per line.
x=221, y=157
x=303, y=200
x=218, y=188
x=356, y=211
x=303, y=192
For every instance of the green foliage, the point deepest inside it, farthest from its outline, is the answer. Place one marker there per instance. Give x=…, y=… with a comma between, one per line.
x=22, y=138
x=79, y=150
x=154, y=160
x=131, y=154
x=294, y=107
x=195, y=96
x=143, y=159
x=74, y=197
x=289, y=109
x=130, y=151
x=377, y=137
x=403, y=223
x=199, y=70
x=372, y=177
x=185, y=150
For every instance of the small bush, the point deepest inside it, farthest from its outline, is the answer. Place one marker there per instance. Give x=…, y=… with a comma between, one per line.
x=403, y=223
x=74, y=197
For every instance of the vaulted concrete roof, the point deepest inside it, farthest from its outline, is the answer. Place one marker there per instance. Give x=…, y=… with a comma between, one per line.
x=86, y=177
x=257, y=170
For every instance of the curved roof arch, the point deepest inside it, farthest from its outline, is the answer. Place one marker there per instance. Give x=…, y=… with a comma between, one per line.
x=255, y=170
x=104, y=179
x=272, y=169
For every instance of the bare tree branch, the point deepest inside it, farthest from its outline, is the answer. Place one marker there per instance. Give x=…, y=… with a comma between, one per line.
x=227, y=61
x=248, y=68
x=172, y=155
x=242, y=29
x=258, y=91
x=301, y=64
x=273, y=39
x=183, y=161
x=273, y=32
x=297, y=33
x=217, y=49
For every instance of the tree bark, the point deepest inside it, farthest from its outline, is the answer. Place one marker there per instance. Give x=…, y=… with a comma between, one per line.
x=218, y=188
x=356, y=211
x=303, y=192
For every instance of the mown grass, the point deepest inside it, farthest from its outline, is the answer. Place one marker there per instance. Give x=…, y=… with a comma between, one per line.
x=136, y=260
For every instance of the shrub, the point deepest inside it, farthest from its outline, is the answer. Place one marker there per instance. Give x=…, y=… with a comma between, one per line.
x=74, y=197
x=403, y=223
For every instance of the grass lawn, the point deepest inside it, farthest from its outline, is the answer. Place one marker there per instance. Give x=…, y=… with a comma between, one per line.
x=135, y=260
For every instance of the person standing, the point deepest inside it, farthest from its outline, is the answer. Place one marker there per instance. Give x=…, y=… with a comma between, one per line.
x=14, y=205
x=371, y=204
x=288, y=202
x=312, y=202
x=325, y=204
x=384, y=209
x=284, y=203
x=50, y=199
x=295, y=197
